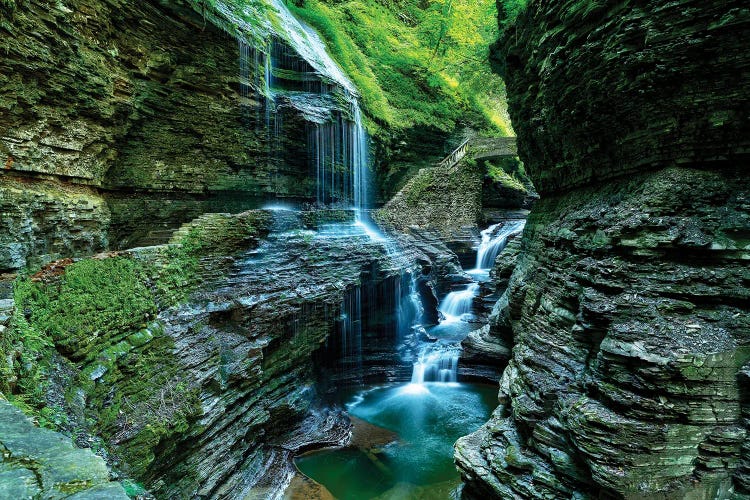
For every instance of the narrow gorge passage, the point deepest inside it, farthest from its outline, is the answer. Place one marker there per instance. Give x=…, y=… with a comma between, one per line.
x=418, y=420
x=374, y=249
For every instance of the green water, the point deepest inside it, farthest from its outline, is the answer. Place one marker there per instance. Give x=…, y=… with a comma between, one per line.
x=427, y=419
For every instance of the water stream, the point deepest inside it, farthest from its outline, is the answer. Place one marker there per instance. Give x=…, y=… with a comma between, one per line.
x=425, y=415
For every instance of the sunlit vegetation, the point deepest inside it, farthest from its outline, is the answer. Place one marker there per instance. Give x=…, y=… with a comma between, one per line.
x=509, y=9
x=416, y=63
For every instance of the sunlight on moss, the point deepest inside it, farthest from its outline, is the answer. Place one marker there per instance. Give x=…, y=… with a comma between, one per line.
x=415, y=64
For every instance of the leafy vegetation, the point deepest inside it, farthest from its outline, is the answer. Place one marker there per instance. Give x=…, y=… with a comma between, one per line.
x=509, y=10
x=93, y=298
x=508, y=172
x=416, y=63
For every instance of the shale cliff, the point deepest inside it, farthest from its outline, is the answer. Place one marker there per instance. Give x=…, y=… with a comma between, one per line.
x=120, y=120
x=627, y=313
x=199, y=368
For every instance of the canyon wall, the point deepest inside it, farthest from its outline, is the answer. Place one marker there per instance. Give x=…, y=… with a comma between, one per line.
x=100, y=96
x=627, y=313
x=121, y=120
x=200, y=368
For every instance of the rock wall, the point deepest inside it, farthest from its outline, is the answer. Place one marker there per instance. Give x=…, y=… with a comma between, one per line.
x=113, y=95
x=627, y=311
x=203, y=367
x=135, y=101
x=40, y=463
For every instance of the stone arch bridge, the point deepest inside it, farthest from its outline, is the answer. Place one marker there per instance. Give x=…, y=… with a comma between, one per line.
x=481, y=148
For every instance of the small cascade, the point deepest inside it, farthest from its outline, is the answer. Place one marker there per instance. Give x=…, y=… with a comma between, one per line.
x=409, y=305
x=360, y=163
x=494, y=241
x=456, y=304
x=436, y=363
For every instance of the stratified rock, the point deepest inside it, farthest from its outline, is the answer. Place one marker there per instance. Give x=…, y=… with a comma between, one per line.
x=203, y=368
x=46, y=220
x=484, y=353
x=628, y=307
x=437, y=198
x=40, y=463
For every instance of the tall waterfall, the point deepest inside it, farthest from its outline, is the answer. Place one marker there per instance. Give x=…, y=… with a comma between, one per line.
x=294, y=72
x=293, y=76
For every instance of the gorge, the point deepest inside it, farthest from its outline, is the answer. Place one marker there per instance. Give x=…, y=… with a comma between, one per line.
x=260, y=249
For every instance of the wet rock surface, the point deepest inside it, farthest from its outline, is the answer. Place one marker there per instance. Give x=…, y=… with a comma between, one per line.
x=40, y=463
x=626, y=310
x=125, y=97
x=256, y=340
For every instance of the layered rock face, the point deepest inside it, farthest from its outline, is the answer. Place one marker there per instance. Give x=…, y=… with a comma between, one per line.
x=627, y=311
x=134, y=96
x=203, y=368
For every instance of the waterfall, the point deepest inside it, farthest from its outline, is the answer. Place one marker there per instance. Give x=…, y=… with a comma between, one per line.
x=351, y=332
x=360, y=161
x=409, y=305
x=494, y=241
x=456, y=304
x=436, y=363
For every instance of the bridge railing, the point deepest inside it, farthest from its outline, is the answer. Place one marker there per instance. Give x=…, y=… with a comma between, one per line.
x=480, y=148
x=457, y=155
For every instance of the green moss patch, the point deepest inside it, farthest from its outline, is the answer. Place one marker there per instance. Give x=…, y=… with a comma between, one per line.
x=87, y=352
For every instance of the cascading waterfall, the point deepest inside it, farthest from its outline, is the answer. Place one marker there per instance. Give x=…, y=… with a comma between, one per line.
x=292, y=72
x=409, y=305
x=493, y=242
x=351, y=332
x=456, y=304
x=438, y=361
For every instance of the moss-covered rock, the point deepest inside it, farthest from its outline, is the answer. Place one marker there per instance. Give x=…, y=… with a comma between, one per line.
x=626, y=310
x=39, y=463
x=442, y=199
x=185, y=363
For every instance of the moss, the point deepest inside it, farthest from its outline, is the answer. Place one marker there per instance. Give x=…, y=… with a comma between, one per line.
x=420, y=186
x=407, y=74
x=94, y=300
x=509, y=173
x=508, y=10
x=100, y=315
x=7, y=9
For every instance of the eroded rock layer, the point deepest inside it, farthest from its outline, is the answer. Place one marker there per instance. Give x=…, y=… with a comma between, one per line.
x=627, y=311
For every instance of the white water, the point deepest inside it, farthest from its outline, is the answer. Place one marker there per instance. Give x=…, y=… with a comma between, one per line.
x=309, y=46
x=494, y=241
x=456, y=304
x=438, y=361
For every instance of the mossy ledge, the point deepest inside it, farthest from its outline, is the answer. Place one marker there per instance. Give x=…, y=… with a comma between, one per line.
x=88, y=354
x=184, y=364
